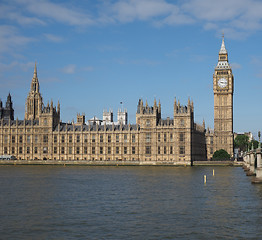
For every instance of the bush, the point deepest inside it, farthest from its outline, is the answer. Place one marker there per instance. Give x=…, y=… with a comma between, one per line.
x=221, y=155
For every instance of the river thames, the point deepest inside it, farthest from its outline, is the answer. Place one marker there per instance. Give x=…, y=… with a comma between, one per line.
x=80, y=202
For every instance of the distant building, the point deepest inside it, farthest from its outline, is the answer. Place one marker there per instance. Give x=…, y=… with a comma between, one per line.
x=108, y=116
x=122, y=116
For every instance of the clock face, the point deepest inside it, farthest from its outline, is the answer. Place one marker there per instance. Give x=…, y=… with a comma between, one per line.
x=222, y=82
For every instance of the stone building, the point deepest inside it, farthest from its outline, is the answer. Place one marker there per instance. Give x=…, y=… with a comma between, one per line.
x=151, y=140
x=41, y=135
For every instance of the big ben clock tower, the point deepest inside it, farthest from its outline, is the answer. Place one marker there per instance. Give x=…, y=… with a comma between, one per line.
x=223, y=87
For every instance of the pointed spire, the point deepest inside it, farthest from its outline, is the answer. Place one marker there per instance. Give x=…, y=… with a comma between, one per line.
x=223, y=47
x=35, y=71
x=146, y=104
x=203, y=124
x=188, y=102
x=35, y=83
x=58, y=106
x=154, y=102
x=9, y=97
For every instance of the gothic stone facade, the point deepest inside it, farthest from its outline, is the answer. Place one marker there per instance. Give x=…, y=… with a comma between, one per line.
x=41, y=135
x=223, y=88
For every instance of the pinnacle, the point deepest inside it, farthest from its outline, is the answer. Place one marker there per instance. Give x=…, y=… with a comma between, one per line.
x=223, y=47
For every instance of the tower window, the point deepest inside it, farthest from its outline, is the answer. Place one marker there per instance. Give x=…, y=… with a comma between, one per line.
x=133, y=150
x=181, y=150
x=85, y=150
x=45, y=149
x=78, y=150
x=78, y=138
x=181, y=137
x=45, y=138
x=148, y=137
x=148, y=150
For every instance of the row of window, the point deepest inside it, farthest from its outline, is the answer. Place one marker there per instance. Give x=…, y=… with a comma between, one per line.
x=101, y=138
x=101, y=150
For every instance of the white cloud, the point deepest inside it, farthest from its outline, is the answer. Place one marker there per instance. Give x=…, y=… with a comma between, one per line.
x=57, y=12
x=238, y=18
x=158, y=11
x=69, y=69
x=15, y=65
x=53, y=38
x=235, y=65
x=88, y=69
x=10, y=38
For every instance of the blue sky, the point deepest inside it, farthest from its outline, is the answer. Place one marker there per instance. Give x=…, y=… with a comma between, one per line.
x=92, y=55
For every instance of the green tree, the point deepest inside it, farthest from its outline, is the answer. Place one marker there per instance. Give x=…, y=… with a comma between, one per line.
x=255, y=144
x=221, y=155
x=241, y=142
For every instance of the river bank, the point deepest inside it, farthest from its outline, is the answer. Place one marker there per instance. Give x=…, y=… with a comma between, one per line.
x=117, y=163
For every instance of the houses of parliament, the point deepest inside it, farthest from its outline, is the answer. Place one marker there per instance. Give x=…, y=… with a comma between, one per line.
x=152, y=140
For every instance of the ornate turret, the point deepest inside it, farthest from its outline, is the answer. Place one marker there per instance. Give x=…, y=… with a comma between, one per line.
x=7, y=112
x=34, y=102
x=148, y=112
x=9, y=103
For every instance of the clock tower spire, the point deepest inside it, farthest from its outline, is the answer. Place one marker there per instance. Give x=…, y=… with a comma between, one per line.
x=223, y=88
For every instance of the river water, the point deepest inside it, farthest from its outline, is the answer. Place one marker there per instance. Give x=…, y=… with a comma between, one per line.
x=81, y=202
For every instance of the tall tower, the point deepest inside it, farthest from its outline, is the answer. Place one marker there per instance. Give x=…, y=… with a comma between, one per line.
x=34, y=101
x=223, y=87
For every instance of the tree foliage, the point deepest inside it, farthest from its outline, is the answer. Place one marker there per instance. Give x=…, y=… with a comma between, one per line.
x=241, y=142
x=255, y=144
x=221, y=155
